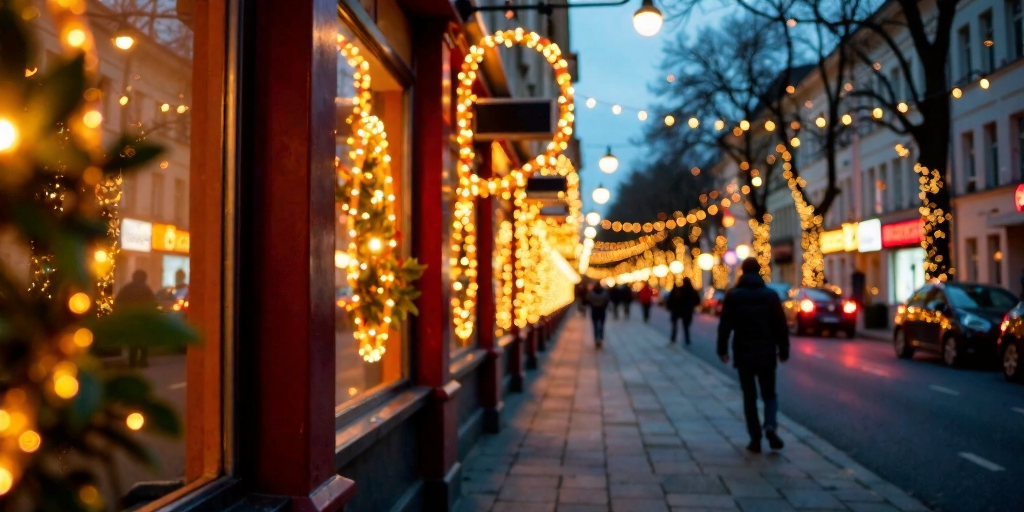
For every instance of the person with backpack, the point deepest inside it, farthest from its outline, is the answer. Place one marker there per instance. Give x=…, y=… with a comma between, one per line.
x=682, y=300
x=598, y=299
x=752, y=314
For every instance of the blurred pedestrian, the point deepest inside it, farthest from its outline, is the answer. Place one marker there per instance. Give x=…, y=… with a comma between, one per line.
x=615, y=296
x=581, y=298
x=752, y=313
x=645, y=297
x=598, y=298
x=137, y=295
x=626, y=295
x=682, y=300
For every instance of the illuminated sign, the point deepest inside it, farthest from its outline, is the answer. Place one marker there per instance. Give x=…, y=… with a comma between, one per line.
x=1018, y=198
x=170, y=239
x=850, y=243
x=136, y=235
x=909, y=232
x=869, y=236
x=832, y=241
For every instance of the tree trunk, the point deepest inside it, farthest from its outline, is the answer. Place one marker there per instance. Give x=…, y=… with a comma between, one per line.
x=762, y=246
x=813, y=266
x=936, y=203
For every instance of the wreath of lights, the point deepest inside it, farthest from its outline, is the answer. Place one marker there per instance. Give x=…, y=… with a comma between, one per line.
x=373, y=271
x=464, y=263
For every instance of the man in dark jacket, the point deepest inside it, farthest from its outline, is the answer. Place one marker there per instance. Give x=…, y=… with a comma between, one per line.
x=137, y=295
x=682, y=300
x=752, y=313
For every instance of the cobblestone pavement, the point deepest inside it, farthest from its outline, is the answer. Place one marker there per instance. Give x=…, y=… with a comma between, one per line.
x=643, y=426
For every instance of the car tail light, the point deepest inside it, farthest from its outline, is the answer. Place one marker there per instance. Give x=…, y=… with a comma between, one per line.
x=1005, y=324
x=807, y=306
x=901, y=309
x=849, y=307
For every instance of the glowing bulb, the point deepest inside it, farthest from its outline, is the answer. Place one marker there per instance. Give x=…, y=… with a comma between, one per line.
x=877, y=113
x=123, y=100
x=957, y=93
x=902, y=107
x=182, y=109
x=660, y=271
x=83, y=337
x=744, y=125
x=29, y=441
x=76, y=37
x=591, y=103
x=676, y=267
x=694, y=122
x=669, y=120
x=742, y=251
x=593, y=218
x=608, y=163
x=92, y=119
x=165, y=108
x=135, y=421
x=769, y=125
x=647, y=19
x=590, y=232
x=124, y=42
x=795, y=142
x=705, y=261
x=616, y=109
x=6, y=481
x=847, y=119
x=66, y=386
x=719, y=125
x=820, y=122
x=984, y=83
x=601, y=195
x=642, y=115
x=756, y=181
x=374, y=245
x=79, y=303
x=8, y=135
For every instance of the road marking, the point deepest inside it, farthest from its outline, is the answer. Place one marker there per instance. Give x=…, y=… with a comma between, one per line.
x=819, y=355
x=180, y=385
x=1018, y=409
x=947, y=391
x=877, y=371
x=987, y=464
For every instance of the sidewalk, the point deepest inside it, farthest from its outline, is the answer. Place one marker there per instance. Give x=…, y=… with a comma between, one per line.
x=641, y=426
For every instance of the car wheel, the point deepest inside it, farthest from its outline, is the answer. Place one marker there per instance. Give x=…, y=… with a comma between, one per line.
x=951, y=352
x=899, y=342
x=1011, y=363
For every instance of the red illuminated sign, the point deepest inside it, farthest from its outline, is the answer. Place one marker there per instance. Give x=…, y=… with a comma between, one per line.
x=1018, y=198
x=909, y=232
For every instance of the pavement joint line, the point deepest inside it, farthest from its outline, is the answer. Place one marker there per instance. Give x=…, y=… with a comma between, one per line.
x=985, y=463
x=940, y=389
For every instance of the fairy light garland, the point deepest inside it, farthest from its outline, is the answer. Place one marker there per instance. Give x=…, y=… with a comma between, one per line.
x=464, y=262
x=505, y=291
x=761, y=236
x=930, y=182
x=720, y=271
x=637, y=247
x=378, y=279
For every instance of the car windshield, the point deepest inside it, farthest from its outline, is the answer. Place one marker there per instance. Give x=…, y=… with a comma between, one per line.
x=980, y=297
x=816, y=294
x=719, y=294
x=781, y=289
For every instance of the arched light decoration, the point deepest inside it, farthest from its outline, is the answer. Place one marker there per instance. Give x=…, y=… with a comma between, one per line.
x=464, y=289
x=647, y=19
x=371, y=247
x=608, y=163
x=660, y=271
x=601, y=195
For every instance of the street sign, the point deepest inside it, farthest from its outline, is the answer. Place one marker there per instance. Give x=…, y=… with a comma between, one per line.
x=546, y=188
x=515, y=119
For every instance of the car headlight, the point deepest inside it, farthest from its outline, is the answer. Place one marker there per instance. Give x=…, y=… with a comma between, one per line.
x=975, y=323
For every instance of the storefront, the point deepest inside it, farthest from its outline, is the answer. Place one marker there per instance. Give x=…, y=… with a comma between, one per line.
x=901, y=242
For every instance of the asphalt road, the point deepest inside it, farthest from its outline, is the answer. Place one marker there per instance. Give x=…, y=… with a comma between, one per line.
x=953, y=438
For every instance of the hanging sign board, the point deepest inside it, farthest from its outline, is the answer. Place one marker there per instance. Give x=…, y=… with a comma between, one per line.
x=515, y=119
x=832, y=241
x=136, y=235
x=869, y=236
x=546, y=188
x=899, y=234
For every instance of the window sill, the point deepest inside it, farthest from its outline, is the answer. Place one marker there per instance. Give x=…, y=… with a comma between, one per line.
x=466, y=363
x=362, y=433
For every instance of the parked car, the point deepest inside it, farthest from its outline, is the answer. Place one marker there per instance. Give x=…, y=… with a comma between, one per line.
x=712, y=302
x=173, y=299
x=954, y=320
x=812, y=310
x=1011, y=343
x=782, y=289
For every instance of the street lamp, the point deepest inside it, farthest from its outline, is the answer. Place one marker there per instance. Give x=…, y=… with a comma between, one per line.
x=608, y=163
x=123, y=38
x=705, y=261
x=593, y=218
x=590, y=232
x=601, y=195
x=647, y=19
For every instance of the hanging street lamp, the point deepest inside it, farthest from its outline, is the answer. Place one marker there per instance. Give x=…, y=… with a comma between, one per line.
x=593, y=218
x=601, y=195
x=647, y=20
x=608, y=163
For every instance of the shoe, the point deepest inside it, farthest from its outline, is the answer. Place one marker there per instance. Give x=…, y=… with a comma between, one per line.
x=754, y=446
x=774, y=441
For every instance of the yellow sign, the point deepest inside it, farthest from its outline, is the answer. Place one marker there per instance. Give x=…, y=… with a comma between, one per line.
x=832, y=241
x=850, y=241
x=170, y=239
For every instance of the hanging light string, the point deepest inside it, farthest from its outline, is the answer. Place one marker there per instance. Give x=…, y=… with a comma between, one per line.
x=644, y=244
x=719, y=202
x=614, y=246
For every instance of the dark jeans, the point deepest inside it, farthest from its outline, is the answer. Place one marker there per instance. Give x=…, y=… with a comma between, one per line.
x=646, y=308
x=615, y=310
x=626, y=306
x=138, y=357
x=687, y=320
x=597, y=316
x=750, y=380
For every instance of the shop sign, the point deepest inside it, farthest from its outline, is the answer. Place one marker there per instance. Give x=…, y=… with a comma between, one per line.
x=869, y=236
x=136, y=235
x=832, y=241
x=168, y=238
x=850, y=243
x=899, y=234
x=782, y=251
x=1018, y=198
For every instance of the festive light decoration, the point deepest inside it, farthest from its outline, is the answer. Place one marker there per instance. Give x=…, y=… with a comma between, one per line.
x=622, y=252
x=382, y=291
x=464, y=264
x=931, y=182
x=720, y=271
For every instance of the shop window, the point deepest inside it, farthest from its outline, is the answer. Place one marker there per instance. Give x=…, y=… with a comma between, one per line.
x=966, y=65
x=972, y=260
x=881, y=190
x=995, y=260
x=869, y=193
x=897, y=184
x=1017, y=151
x=1015, y=28
x=991, y=155
x=988, y=54
x=362, y=368
x=967, y=154
x=152, y=258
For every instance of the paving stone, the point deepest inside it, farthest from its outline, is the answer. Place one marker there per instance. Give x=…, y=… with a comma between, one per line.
x=638, y=505
x=505, y=506
x=764, y=505
x=528, y=494
x=804, y=499
x=711, y=501
x=872, y=507
x=582, y=497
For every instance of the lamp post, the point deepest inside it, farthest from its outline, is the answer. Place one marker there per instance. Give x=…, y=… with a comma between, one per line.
x=647, y=19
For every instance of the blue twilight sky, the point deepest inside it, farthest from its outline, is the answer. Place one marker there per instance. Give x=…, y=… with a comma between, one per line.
x=616, y=65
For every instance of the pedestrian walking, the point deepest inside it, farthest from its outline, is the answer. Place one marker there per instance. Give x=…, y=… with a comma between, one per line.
x=615, y=297
x=645, y=297
x=598, y=298
x=581, y=298
x=137, y=294
x=626, y=295
x=682, y=300
x=752, y=313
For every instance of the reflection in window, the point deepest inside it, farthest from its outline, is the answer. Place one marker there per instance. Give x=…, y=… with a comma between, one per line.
x=356, y=378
